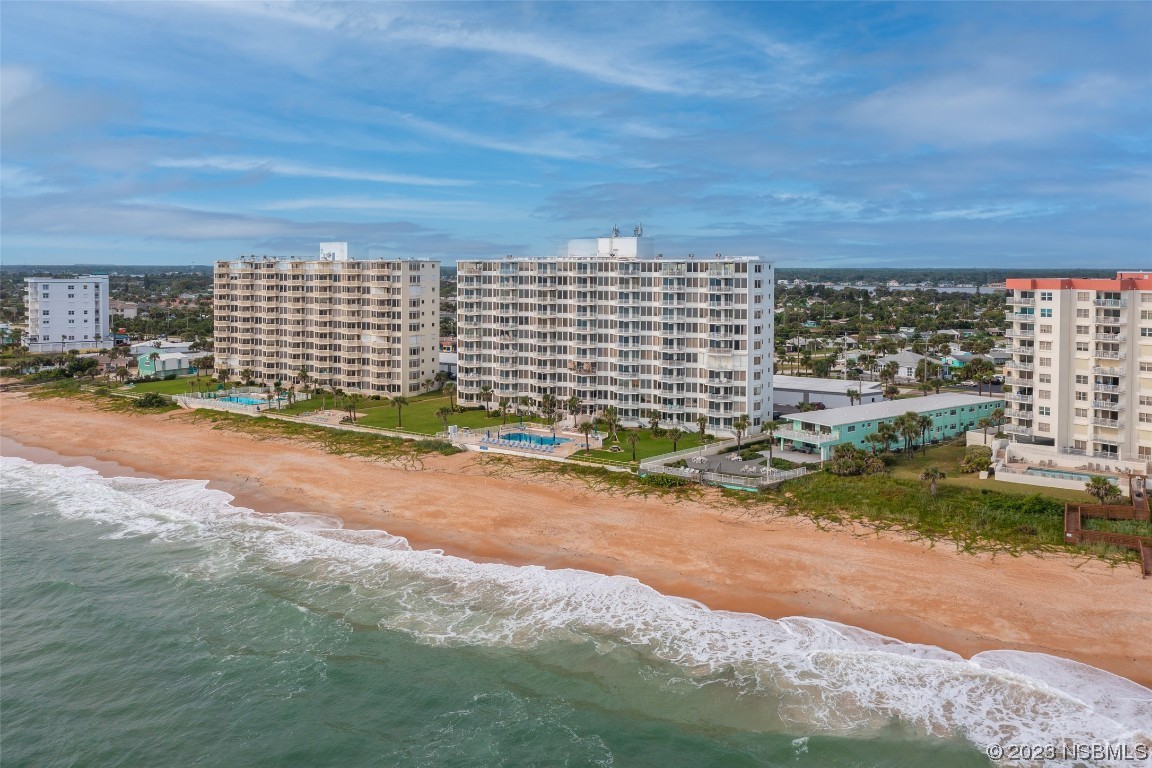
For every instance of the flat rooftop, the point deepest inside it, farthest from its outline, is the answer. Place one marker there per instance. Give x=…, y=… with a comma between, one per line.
x=831, y=386
x=888, y=409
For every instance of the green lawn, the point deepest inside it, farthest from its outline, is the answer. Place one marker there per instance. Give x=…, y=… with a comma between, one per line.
x=418, y=416
x=177, y=386
x=948, y=457
x=647, y=446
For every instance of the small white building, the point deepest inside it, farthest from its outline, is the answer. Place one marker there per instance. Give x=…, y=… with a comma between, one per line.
x=833, y=393
x=159, y=345
x=67, y=313
x=448, y=363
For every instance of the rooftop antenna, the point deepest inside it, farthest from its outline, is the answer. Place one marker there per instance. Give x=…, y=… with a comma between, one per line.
x=639, y=230
x=615, y=231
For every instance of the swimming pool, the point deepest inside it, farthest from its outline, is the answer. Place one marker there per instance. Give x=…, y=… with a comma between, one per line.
x=244, y=400
x=524, y=437
x=1061, y=475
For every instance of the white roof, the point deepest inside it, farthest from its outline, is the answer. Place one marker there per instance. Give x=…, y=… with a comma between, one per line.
x=449, y=357
x=830, y=386
x=888, y=409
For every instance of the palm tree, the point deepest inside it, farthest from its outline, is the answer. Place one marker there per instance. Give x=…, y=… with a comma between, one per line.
x=875, y=440
x=449, y=389
x=486, y=395
x=853, y=396
x=153, y=357
x=932, y=475
x=122, y=374
x=890, y=391
x=1102, y=489
x=925, y=423
x=633, y=438
x=997, y=417
x=674, y=434
x=653, y=420
x=983, y=424
x=701, y=426
x=888, y=432
x=351, y=403
x=503, y=411
x=924, y=387
x=740, y=425
x=398, y=403
x=611, y=418
x=586, y=428
x=909, y=427
x=302, y=375
x=247, y=375
x=443, y=414
x=427, y=384
x=573, y=405
x=770, y=428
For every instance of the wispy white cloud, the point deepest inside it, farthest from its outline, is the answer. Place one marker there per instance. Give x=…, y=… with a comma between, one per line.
x=287, y=168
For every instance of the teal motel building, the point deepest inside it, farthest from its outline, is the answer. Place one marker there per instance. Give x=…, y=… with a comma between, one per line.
x=819, y=432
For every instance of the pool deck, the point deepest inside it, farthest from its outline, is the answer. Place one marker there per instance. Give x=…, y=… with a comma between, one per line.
x=477, y=440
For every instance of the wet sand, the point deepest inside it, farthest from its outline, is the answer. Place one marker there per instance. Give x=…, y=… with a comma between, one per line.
x=714, y=553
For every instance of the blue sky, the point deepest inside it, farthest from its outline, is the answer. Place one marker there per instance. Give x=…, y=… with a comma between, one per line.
x=885, y=135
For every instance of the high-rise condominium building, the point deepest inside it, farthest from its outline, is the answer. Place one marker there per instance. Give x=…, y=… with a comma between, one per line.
x=1081, y=369
x=67, y=313
x=370, y=326
x=615, y=324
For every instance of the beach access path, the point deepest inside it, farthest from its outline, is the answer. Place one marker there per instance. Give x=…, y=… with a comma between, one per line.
x=711, y=551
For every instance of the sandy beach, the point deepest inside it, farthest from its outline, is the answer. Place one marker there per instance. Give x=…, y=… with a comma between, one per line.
x=770, y=565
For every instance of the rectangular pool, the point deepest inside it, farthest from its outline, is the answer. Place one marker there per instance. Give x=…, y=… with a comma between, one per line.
x=530, y=439
x=1061, y=475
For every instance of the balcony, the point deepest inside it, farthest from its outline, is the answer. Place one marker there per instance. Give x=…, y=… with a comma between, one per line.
x=1108, y=405
x=1019, y=333
x=1110, y=388
x=1026, y=317
x=1020, y=301
x=805, y=436
x=1016, y=429
x=1110, y=337
x=1111, y=302
x=1110, y=354
x=1020, y=366
x=1014, y=397
x=1101, y=370
x=1109, y=423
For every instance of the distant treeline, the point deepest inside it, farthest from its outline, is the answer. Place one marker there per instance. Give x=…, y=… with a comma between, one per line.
x=973, y=276
x=71, y=270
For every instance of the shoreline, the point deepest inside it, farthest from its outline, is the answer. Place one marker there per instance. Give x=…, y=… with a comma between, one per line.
x=772, y=566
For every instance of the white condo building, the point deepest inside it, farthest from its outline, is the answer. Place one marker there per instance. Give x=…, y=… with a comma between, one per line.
x=67, y=313
x=616, y=324
x=1080, y=378
x=368, y=326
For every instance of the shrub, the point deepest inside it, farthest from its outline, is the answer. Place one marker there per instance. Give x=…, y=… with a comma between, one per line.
x=976, y=459
x=153, y=400
x=53, y=374
x=170, y=377
x=779, y=463
x=847, y=460
x=749, y=454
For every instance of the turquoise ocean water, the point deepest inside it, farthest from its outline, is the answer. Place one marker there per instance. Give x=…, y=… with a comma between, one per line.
x=153, y=623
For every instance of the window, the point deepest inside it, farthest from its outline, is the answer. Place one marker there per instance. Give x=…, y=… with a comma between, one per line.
x=1081, y=378
x=1083, y=314
x=852, y=428
x=1046, y=312
x=1144, y=451
x=1045, y=295
x=1046, y=346
x=1146, y=298
x=1081, y=346
x=1145, y=365
x=1145, y=418
x=71, y=295
x=45, y=311
x=1082, y=396
x=1145, y=399
x=1146, y=333
x=1081, y=412
x=1045, y=410
x=1082, y=329
x=1080, y=444
x=71, y=311
x=1046, y=362
x=1045, y=329
x=1043, y=426
x=1146, y=314
x=1083, y=296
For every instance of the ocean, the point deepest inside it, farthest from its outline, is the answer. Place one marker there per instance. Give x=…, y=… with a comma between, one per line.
x=156, y=623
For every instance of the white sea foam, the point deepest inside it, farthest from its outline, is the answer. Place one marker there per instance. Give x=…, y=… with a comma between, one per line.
x=828, y=677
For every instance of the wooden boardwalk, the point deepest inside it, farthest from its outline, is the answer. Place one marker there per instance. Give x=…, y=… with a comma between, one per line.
x=1074, y=515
